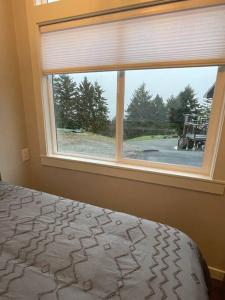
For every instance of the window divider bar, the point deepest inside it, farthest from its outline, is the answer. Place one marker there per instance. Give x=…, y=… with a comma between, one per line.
x=52, y=115
x=119, y=114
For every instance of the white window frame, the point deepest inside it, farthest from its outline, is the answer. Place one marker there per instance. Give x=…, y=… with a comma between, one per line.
x=201, y=179
x=209, y=153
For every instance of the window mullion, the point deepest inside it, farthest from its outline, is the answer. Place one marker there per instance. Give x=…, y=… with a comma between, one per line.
x=52, y=115
x=119, y=114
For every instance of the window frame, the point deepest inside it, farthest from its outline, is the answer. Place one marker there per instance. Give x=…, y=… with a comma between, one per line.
x=62, y=10
x=209, y=152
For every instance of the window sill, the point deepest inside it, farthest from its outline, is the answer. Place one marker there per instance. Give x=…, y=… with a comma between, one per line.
x=182, y=180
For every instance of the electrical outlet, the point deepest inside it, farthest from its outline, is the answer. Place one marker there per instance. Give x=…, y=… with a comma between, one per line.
x=25, y=154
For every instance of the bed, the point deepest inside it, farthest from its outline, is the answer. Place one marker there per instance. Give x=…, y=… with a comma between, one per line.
x=56, y=248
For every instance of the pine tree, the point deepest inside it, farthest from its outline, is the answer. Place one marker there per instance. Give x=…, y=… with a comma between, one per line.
x=92, y=111
x=138, y=114
x=158, y=110
x=139, y=107
x=189, y=102
x=145, y=115
x=65, y=98
x=175, y=113
x=85, y=92
x=99, y=111
x=79, y=107
x=184, y=103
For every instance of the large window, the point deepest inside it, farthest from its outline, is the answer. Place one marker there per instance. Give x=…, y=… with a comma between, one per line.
x=166, y=114
x=136, y=88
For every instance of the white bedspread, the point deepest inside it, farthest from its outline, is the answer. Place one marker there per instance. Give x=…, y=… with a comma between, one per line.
x=55, y=248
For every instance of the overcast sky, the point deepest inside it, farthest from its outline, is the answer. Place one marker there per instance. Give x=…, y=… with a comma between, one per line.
x=165, y=82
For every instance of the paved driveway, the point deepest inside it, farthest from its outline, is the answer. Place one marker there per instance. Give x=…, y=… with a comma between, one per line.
x=163, y=150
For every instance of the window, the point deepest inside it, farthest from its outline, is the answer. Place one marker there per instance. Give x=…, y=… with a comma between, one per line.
x=40, y=2
x=166, y=114
x=137, y=89
x=85, y=110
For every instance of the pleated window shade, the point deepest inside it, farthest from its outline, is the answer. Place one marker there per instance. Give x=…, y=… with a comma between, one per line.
x=180, y=37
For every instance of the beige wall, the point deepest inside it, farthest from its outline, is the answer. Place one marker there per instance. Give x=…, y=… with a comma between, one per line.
x=12, y=125
x=200, y=215
x=24, y=61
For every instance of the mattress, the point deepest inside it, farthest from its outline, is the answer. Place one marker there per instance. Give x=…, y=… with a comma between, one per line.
x=56, y=248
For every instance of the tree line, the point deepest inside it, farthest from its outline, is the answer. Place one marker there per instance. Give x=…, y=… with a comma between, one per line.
x=83, y=106
x=80, y=106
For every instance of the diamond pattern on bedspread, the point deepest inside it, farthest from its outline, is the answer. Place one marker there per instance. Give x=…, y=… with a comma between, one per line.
x=55, y=248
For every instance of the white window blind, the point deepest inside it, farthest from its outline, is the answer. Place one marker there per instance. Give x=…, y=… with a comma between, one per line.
x=179, y=37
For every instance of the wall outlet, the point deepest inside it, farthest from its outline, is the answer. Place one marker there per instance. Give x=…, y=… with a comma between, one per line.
x=25, y=154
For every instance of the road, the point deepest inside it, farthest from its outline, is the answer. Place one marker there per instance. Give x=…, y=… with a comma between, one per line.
x=163, y=150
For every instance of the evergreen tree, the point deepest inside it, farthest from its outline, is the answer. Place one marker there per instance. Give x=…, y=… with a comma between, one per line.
x=139, y=107
x=65, y=95
x=189, y=102
x=184, y=103
x=138, y=114
x=85, y=92
x=158, y=110
x=92, y=111
x=175, y=116
x=99, y=111
x=79, y=107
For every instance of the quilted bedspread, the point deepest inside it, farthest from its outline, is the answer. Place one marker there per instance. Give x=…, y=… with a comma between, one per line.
x=56, y=248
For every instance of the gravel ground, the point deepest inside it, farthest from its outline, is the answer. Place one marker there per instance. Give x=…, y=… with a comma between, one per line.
x=144, y=148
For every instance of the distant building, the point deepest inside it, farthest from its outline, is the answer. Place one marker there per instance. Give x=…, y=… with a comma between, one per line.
x=209, y=94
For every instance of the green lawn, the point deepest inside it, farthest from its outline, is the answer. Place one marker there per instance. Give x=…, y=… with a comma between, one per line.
x=148, y=137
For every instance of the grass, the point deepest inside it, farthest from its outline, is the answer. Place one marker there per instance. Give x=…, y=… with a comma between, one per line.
x=63, y=133
x=95, y=144
x=147, y=137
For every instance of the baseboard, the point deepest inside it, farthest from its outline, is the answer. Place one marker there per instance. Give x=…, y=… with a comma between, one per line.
x=217, y=273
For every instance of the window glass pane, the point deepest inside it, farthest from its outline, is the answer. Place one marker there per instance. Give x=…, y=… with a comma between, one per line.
x=85, y=108
x=167, y=113
x=40, y=2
